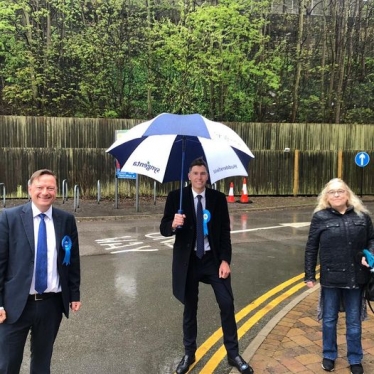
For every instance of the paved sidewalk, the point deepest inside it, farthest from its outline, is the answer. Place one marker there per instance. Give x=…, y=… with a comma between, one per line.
x=292, y=341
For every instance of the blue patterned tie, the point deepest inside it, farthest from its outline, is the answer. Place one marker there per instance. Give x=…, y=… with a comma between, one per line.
x=41, y=258
x=199, y=228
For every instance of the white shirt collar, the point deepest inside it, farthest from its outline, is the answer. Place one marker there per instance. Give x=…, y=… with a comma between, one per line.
x=201, y=194
x=36, y=211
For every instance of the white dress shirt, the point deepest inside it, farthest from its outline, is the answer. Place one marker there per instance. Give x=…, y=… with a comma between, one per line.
x=53, y=279
x=203, y=202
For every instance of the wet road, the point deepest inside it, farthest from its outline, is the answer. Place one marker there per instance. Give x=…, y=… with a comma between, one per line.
x=131, y=323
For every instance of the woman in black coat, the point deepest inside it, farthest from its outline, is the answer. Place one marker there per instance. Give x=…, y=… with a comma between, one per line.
x=340, y=230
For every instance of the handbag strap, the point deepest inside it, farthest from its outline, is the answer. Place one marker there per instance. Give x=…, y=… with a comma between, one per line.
x=370, y=306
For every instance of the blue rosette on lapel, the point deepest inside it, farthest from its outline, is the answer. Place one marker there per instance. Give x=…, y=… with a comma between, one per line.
x=66, y=244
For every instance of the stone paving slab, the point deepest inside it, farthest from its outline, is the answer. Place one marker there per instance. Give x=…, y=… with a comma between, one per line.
x=292, y=341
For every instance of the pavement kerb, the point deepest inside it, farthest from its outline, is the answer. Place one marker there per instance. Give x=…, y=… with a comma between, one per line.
x=118, y=218
x=250, y=351
x=90, y=210
x=137, y=215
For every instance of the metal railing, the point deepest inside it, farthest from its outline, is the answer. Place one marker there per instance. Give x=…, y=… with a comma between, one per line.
x=76, y=197
x=2, y=186
x=64, y=191
x=154, y=192
x=98, y=192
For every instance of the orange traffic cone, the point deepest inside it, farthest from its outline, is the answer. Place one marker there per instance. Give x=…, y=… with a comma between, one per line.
x=244, y=197
x=231, y=197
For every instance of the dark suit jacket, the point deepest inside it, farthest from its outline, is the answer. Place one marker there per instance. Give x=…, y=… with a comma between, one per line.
x=218, y=228
x=17, y=253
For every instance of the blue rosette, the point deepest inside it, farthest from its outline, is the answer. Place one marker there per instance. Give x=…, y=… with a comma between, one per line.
x=66, y=244
x=206, y=219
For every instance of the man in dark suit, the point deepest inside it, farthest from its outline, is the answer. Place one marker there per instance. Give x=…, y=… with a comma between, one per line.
x=211, y=266
x=39, y=275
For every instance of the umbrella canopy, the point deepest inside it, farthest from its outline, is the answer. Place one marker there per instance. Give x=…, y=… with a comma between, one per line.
x=164, y=147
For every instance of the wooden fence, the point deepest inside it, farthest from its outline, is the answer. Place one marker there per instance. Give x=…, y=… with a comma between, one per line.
x=75, y=149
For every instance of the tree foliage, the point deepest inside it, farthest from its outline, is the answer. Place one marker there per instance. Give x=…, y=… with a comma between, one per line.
x=231, y=60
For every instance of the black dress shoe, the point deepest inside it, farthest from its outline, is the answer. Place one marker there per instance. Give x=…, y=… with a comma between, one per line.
x=240, y=364
x=186, y=362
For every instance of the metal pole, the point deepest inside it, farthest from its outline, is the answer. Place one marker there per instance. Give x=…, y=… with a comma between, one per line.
x=116, y=193
x=3, y=194
x=76, y=197
x=180, y=211
x=137, y=193
x=154, y=193
x=362, y=180
x=64, y=191
x=98, y=192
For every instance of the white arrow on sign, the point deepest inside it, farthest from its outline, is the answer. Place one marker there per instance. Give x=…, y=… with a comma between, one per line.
x=362, y=158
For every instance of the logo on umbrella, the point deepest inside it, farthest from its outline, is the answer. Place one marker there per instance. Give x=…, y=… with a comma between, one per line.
x=147, y=166
x=223, y=168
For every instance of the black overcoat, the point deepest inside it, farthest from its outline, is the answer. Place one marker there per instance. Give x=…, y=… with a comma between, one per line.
x=185, y=237
x=340, y=240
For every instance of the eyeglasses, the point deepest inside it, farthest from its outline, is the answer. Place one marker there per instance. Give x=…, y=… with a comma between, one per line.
x=336, y=192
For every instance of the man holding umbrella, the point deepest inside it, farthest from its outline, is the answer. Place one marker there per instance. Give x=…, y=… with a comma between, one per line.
x=202, y=253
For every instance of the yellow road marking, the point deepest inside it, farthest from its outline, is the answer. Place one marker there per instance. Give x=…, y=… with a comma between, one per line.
x=220, y=354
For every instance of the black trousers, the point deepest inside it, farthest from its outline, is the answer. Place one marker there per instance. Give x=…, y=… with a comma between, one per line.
x=206, y=271
x=42, y=319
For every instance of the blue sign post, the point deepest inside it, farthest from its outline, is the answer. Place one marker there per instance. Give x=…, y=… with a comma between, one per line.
x=362, y=159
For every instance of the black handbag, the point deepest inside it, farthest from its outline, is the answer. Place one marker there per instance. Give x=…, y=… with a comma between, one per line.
x=369, y=291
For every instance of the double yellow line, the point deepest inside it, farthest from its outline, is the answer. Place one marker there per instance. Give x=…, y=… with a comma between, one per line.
x=220, y=353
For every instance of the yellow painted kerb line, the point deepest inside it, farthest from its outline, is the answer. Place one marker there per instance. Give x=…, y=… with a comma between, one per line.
x=220, y=354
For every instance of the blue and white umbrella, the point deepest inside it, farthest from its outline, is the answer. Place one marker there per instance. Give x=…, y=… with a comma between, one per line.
x=164, y=147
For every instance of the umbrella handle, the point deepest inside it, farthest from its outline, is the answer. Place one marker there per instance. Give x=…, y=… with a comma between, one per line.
x=180, y=211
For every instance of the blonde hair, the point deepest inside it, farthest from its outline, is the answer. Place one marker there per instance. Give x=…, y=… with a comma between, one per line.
x=353, y=199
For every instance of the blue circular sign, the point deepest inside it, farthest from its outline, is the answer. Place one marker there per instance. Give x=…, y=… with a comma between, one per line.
x=362, y=159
